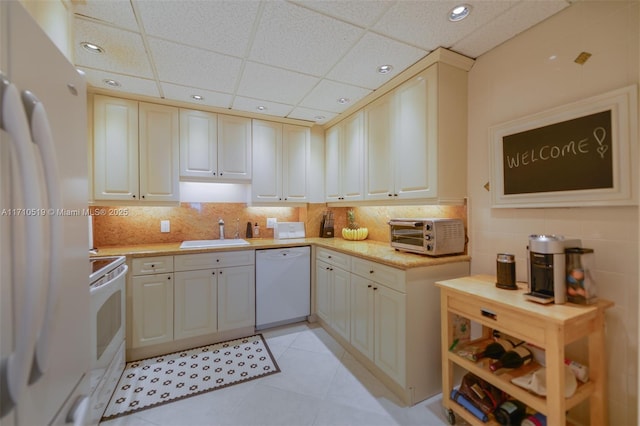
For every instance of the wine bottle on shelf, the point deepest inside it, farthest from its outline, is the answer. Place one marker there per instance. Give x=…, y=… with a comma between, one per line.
x=517, y=357
x=496, y=349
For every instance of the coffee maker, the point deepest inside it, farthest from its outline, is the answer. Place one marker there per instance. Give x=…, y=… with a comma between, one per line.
x=546, y=262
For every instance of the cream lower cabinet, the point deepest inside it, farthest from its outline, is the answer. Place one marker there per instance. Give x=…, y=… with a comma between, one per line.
x=393, y=318
x=333, y=281
x=151, y=293
x=195, y=303
x=177, y=298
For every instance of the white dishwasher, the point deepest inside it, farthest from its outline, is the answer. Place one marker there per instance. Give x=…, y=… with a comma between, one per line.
x=283, y=286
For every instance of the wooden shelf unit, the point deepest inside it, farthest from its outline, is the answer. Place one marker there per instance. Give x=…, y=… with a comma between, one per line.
x=550, y=327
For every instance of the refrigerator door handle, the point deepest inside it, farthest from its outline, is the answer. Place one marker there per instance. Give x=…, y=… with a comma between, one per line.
x=15, y=368
x=43, y=138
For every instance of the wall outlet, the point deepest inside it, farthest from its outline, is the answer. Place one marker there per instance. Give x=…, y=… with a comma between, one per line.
x=164, y=226
x=272, y=222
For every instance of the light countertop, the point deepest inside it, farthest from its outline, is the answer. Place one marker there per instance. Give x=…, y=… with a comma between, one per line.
x=367, y=249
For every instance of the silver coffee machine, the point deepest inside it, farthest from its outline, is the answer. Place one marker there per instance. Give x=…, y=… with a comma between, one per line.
x=547, y=267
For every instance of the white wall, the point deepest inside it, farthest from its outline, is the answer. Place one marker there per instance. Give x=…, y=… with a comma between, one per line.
x=518, y=78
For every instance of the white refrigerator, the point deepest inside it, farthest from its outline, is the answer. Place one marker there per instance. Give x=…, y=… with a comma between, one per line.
x=44, y=265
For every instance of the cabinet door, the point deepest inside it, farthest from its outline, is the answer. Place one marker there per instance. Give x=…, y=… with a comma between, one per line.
x=196, y=303
x=115, y=149
x=296, y=157
x=415, y=143
x=236, y=297
x=340, y=309
x=333, y=191
x=159, y=152
x=352, y=158
x=390, y=332
x=198, y=144
x=322, y=290
x=266, y=185
x=379, y=166
x=362, y=315
x=234, y=148
x=152, y=310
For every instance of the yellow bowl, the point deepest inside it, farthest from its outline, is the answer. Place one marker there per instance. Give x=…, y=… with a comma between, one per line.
x=355, y=234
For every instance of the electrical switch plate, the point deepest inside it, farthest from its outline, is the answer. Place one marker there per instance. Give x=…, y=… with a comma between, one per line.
x=164, y=226
x=272, y=222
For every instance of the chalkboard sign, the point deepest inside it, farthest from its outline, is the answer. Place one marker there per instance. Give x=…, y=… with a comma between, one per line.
x=571, y=155
x=579, y=154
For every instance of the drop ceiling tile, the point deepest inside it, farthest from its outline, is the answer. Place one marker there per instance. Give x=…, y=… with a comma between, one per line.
x=115, y=12
x=188, y=66
x=325, y=95
x=359, y=66
x=274, y=84
x=124, y=51
x=296, y=38
x=514, y=21
x=425, y=23
x=251, y=105
x=137, y=86
x=184, y=93
x=220, y=26
x=315, y=115
x=358, y=12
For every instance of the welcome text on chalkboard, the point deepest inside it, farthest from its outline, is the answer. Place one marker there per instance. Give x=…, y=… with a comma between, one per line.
x=570, y=155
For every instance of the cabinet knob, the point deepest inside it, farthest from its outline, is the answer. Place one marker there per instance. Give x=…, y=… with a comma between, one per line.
x=213, y=272
x=371, y=271
x=134, y=195
x=153, y=265
x=369, y=286
x=143, y=196
x=169, y=277
x=375, y=288
x=395, y=195
x=390, y=195
x=217, y=260
x=219, y=272
x=214, y=173
x=220, y=173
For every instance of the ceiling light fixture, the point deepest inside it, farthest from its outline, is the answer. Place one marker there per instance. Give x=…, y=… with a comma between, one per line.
x=111, y=83
x=197, y=97
x=261, y=108
x=343, y=101
x=93, y=48
x=385, y=69
x=460, y=12
x=319, y=117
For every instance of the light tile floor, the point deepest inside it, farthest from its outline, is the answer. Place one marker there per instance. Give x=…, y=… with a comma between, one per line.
x=319, y=384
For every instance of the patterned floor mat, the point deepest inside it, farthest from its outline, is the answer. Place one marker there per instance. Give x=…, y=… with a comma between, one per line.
x=154, y=381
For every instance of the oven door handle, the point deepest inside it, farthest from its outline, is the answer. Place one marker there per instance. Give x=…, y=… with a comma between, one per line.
x=105, y=285
x=406, y=223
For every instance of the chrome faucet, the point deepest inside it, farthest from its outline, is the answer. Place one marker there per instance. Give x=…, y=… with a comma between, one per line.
x=221, y=224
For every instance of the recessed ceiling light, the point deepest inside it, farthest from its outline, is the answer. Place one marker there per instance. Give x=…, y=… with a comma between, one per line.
x=319, y=117
x=90, y=47
x=460, y=12
x=261, y=108
x=197, y=97
x=385, y=69
x=111, y=83
x=344, y=100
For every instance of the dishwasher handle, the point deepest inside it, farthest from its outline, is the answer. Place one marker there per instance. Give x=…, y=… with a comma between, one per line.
x=288, y=253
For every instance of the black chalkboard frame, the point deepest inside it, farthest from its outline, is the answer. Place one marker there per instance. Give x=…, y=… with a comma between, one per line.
x=622, y=153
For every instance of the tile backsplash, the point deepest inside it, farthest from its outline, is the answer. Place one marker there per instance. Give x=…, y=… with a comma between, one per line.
x=115, y=226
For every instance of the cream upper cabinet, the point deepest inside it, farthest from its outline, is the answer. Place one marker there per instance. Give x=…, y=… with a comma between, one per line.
x=379, y=168
x=344, y=158
x=159, y=152
x=115, y=149
x=135, y=151
x=198, y=144
x=234, y=148
x=281, y=157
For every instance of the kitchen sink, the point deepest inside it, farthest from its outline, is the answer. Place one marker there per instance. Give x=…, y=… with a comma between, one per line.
x=227, y=242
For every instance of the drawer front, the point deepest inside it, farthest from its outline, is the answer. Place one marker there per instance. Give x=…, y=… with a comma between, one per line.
x=191, y=262
x=498, y=317
x=152, y=265
x=383, y=274
x=334, y=258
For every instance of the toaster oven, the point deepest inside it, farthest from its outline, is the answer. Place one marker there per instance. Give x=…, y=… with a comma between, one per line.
x=431, y=236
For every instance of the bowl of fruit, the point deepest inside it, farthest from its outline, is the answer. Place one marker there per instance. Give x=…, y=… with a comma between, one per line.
x=353, y=231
